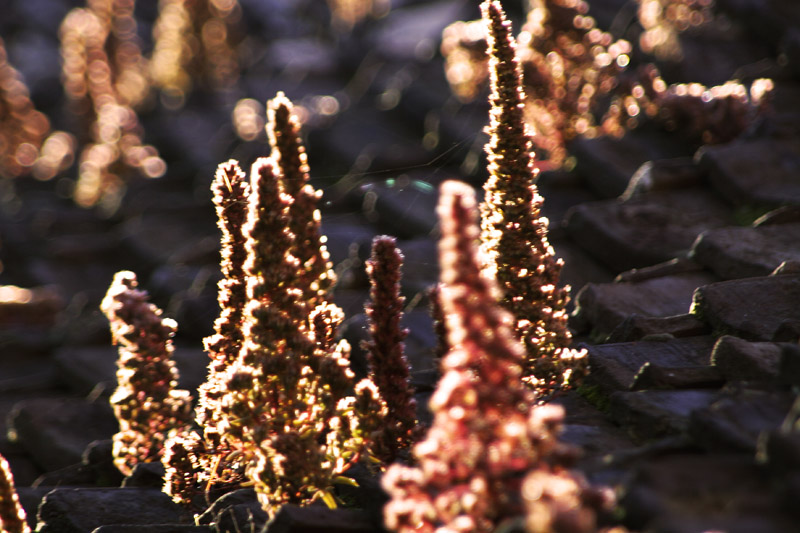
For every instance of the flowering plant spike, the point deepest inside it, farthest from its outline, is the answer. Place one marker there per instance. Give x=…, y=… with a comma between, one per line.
x=146, y=403
x=288, y=406
x=231, y=190
x=487, y=432
x=195, y=464
x=513, y=232
x=12, y=515
x=316, y=277
x=388, y=366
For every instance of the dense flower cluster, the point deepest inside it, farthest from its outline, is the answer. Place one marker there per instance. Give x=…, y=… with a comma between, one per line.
x=704, y=115
x=513, y=233
x=12, y=515
x=231, y=191
x=567, y=63
x=315, y=276
x=289, y=403
x=25, y=146
x=280, y=410
x=570, y=67
x=489, y=442
x=196, y=464
x=279, y=405
x=146, y=402
x=388, y=366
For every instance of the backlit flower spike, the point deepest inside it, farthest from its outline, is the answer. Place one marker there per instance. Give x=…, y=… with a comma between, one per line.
x=388, y=366
x=288, y=410
x=12, y=515
x=147, y=403
x=196, y=462
x=489, y=444
x=473, y=459
x=231, y=190
x=315, y=275
x=513, y=232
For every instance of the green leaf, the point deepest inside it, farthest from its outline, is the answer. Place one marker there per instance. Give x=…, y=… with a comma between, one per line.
x=329, y=500
x=344, y=480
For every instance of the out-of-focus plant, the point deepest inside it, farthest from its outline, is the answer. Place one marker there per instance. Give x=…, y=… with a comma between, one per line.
x=195, y=41
x=147, y=403
x=130, y=77
x=704, y=115
x=664, y=20
x=570, y=67
x=12, y=515
x=347, y=13
x=568, y=64
x=513, y=232
x=489, y=442
x=26, y=142
x=464, y=50
x=388, y=366
x=248, y=119
x=104, y=79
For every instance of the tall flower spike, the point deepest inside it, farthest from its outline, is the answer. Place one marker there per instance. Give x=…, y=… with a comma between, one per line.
x=287, y=408
x=388, y=366
x=194, y=463
x=12, y=515
x=231, y=189
x=315, y=275
x=513, y=233
x=146, y=403
x=486, y=432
